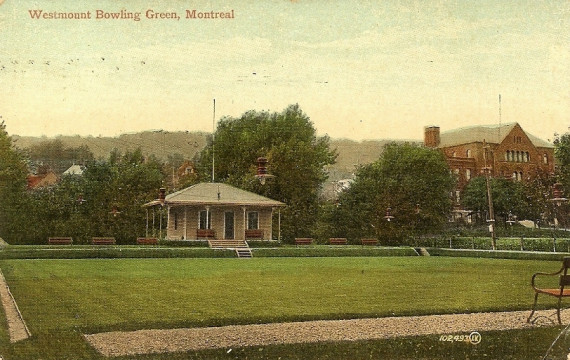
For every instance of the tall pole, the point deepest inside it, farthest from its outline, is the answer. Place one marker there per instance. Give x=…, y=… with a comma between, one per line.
x=213, y=142
x=500, y=118
x=490, y=198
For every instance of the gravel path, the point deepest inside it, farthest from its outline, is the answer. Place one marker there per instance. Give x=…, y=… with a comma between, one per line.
x=178, y=340
x=16, y=326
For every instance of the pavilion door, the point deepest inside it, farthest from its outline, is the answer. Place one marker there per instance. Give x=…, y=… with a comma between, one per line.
x=229, y=225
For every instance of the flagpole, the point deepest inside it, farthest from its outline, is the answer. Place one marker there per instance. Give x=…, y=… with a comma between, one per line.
x=213, y=140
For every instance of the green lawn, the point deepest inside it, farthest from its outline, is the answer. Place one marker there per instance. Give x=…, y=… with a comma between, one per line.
x=61, y=299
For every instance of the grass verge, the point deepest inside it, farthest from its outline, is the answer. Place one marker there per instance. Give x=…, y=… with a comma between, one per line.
x=62, y=299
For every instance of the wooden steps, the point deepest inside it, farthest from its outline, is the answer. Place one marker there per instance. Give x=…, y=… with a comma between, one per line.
x=244, y=253
x=240, y=246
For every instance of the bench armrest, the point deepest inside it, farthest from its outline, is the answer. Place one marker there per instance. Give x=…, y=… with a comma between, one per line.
x=543, y=274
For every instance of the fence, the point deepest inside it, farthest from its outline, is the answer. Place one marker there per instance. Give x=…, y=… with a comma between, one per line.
x=484, y=243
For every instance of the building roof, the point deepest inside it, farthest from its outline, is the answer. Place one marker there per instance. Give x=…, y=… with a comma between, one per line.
x=493, y=134
x=74, y=170
x=39, y=181
x=216, y=194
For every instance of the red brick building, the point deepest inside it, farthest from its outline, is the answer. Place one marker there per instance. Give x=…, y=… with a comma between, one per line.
x=511, y=152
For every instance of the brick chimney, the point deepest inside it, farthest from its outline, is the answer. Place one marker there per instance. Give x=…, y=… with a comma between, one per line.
x=431, y=136
x=162, y=195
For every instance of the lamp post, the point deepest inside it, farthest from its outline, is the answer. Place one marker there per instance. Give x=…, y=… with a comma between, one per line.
x=262, y=173
x=491, y=220
x=558, y=199
x=417, y=223
x=388, y=217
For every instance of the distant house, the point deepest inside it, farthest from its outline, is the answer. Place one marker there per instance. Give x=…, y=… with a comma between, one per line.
x=342, y=185
x=74, y=170
x=187, y=168
x=41, y=181
x=217, y=211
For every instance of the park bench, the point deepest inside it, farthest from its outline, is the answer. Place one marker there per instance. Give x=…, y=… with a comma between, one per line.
x=254, y=234
x=369, y=242
x=60, y=241
x=103, y=241
x=303, y=241
x=558, y=292
x=338, y=241
x=205, y=234
x=147, y=241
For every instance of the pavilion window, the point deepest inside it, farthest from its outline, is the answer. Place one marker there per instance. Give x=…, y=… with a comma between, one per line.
x=205, y=219
x=252, y=220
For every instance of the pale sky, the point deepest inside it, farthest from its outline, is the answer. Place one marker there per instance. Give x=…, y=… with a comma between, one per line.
x=358, y=69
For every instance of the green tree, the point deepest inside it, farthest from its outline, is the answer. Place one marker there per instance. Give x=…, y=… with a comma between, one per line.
x=105, y=201
x=297, y=159
x=53, y=155
x=115, y=192
x=509, y=197
x=562, y=154
x=413, y=181
x=13, y=172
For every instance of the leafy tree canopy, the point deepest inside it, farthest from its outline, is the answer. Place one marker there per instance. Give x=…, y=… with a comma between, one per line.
x=509, y=197
x=412, y=180
x=13, y=171
x=53, y=155
x=297, y=158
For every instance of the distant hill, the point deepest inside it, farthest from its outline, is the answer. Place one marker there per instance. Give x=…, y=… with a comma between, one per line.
x=158, y=143
x=163, y=143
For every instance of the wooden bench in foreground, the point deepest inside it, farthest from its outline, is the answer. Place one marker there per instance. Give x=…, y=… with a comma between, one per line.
x=60, y=241
x=338, y=241
x=369, y=242
x=303, y=241
x=147, y=241
x=558, y=292
x=103, y=241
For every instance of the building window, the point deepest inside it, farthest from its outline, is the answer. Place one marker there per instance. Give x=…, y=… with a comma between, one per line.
x=457, y=196
x=468, y=174
x=175, y=221
x=514, y=175
x=545, y=158
x=252, y=220
x=454, y=154
x=205, y=216
x=468, y=153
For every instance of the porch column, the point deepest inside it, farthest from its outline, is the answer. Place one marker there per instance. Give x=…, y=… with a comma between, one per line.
x=208, y=219
x=167, y=219
x=185, y=223
x=161, y=212
x=153, y=225
x=271, y=227
x=279, y=222
x=244, y=220
x=146, y=231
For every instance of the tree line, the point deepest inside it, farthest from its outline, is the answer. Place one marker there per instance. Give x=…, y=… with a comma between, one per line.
x=404, y=193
